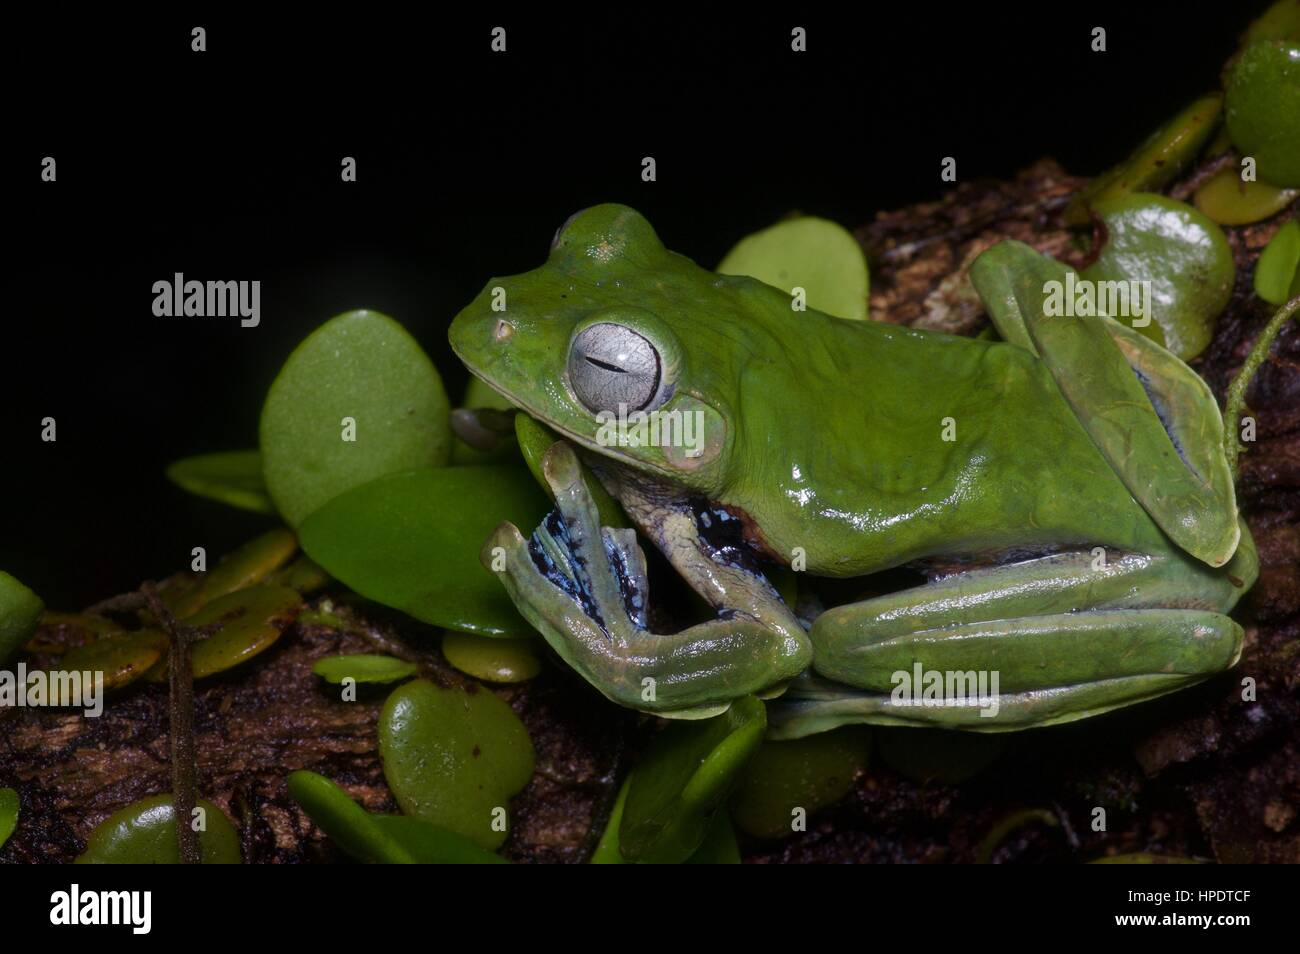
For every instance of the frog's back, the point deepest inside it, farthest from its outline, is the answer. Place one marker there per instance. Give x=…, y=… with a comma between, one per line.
x=882, y=444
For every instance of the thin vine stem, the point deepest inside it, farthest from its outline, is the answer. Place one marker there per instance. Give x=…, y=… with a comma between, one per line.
x=181, y=724
x=1236, y=401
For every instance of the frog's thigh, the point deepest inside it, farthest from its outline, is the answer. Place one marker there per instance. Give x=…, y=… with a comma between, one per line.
x=584, y=588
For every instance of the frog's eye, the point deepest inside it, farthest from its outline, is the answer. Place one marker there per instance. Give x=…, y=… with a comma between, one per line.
x=611, y=365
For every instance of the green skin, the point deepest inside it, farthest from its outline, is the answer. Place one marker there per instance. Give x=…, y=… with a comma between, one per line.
x=1097, y=540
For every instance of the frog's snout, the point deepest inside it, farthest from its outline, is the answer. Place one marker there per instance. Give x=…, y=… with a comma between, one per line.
x=476, y=337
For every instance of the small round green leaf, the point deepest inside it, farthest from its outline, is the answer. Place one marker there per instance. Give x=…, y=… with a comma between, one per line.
x=8, y=814
x=684, y=778
x=938, y=755
x=454, y=758
x=122, y=657
x=1226, y=199
x=412, y=541
x=247, y=565
x=1281, y=21
x=363, y=667
x=144, y=833
x=233, y=477
x=357, y=400
x=251, y=621
x=492, y=659
x=1276, y=273
x=1184, y=256
x=807, y=774
x=303, y=575
x=817, y=255
x=1262, y=109
x=20, y=612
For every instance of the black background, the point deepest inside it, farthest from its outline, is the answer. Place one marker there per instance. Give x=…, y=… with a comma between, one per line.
x=225, y=165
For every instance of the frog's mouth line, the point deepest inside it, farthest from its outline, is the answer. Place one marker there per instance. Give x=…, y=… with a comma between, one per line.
x=585, y=442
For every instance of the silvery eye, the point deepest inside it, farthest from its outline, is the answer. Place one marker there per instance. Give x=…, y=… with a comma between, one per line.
x=612, y=365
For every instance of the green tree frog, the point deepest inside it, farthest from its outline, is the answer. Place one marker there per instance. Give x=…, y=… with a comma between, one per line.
x=1066, y=488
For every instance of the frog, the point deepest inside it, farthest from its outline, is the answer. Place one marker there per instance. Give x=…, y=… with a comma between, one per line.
x=1061, y=489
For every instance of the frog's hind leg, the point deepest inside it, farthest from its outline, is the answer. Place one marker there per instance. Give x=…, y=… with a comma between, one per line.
x=1047, y=640
x=1153, y=419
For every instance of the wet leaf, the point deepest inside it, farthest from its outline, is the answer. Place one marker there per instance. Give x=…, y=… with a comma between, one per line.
x=363, y=667
x=20, y=612
x=454, y=758
x=122, y=657
x=360, y=367
x=1004, y=827
x=430, y=845
x=1281, y=21
x=303, y=575
x=818, y=255
x=1262, y=109
x=607, y=850
x=251, y=621
x=809, y=774
x=379, y=839
x=492, y=659
x=232, y=477
x=938, y=755
x=144, y=833
x=684, y=778
x=342, y=819
x=247, y=565
x=1184, y=256
x=8, y=814
x=1229, y=201
x=719, y=846
x=1277, y=279
x=412, y=542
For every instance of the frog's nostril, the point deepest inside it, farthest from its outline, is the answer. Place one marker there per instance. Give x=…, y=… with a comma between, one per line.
x=503, y=331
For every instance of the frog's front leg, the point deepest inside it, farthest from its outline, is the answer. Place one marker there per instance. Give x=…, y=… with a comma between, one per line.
x=584, y=588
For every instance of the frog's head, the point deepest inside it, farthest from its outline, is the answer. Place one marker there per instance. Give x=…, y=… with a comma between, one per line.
x=613, y=344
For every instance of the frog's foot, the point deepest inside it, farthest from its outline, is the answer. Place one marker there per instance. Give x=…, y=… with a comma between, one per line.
x=1030, y=644
x=584, y=588
x=1155, y=421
